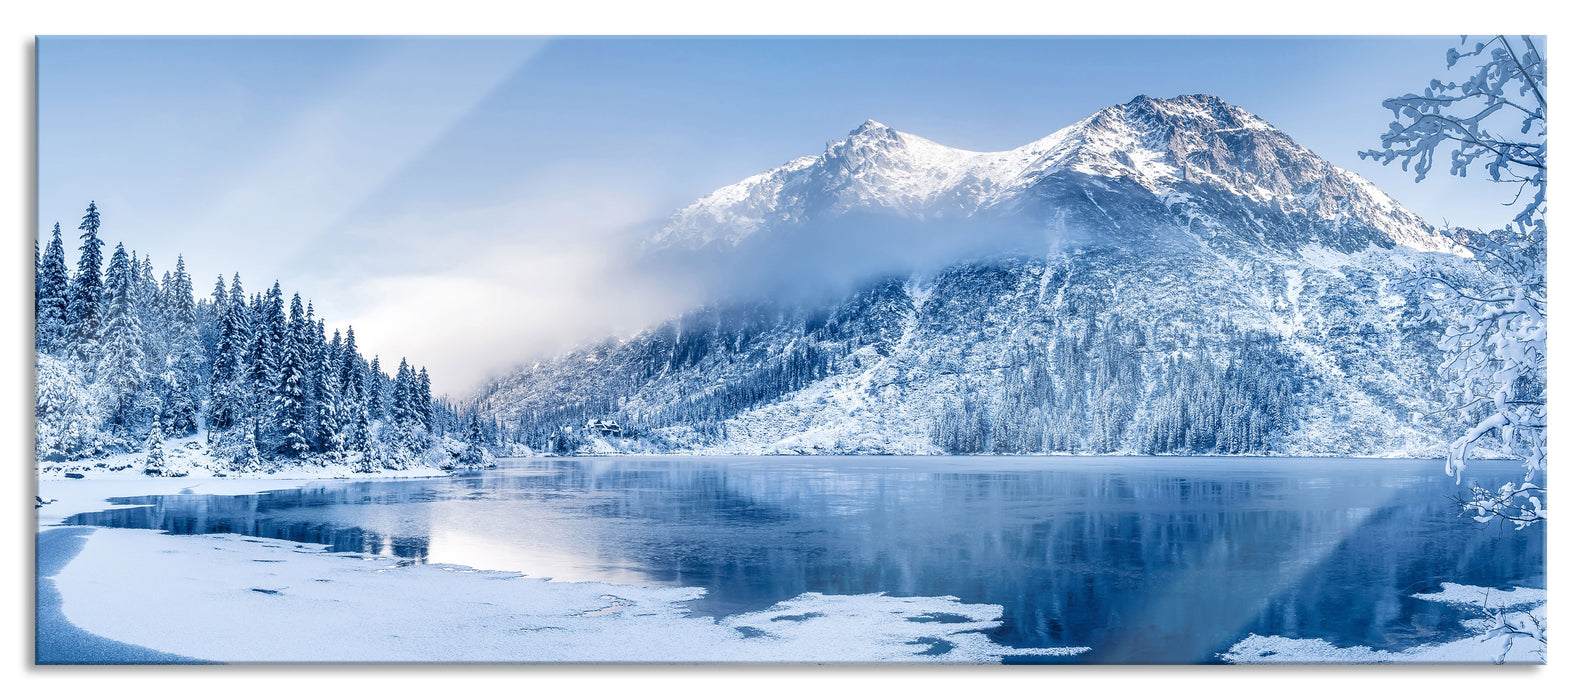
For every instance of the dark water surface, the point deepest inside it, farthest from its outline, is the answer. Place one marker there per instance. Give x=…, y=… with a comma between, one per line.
x=1147, y=560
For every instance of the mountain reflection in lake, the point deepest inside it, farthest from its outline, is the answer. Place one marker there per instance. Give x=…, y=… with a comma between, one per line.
x=1147, y=560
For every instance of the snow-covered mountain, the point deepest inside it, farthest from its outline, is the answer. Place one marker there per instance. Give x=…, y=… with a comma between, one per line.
x=1200, y=283
x=1184, y=152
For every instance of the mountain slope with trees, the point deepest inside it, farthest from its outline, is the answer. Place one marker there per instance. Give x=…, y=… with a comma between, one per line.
x=1198, y=284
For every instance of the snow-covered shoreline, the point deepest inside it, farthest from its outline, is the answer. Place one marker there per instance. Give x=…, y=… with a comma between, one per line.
x=174, y=597
x=193, y=456
x=66, y=488
x=181, y=595
x=60, y=497
x=633, y=448
x=1438, y=454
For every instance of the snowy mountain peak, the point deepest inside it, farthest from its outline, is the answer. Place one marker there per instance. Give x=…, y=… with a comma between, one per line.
x=870, y=126
x=868, y=141
x=1199, y=108
x=1196, y=154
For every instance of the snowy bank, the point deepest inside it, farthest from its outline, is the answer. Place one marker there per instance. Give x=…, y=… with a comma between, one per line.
x=192, y=456
x=66, y=488
x=1524, y=608
x=244, y=599
x=62, y=498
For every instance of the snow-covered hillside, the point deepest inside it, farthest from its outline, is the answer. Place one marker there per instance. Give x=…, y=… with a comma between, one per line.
x=1201, y=284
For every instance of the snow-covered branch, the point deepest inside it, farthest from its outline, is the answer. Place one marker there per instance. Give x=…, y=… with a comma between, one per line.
x=1496, y=335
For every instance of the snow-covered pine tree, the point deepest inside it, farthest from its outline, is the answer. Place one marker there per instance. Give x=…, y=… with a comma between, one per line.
x=329, y=434
x=181, y=403
x=290, y=398
x=166, y=284
x=475, y=441
x=151, y=315
x=122, y=366
x=205, y=332
x=65, y=416
x=52, y=329
x=252, y=457
x=274, y=310
x=225, y=395
x=185, y=353
x=209, y=313
x=406, y=416
x=403, y=409
x=87, y=289
x=256, y=318
x=361, y=437
x=350, y=371
x=313, y=359
x=154, y=451
x=375, y=389
x=259, y=377
x=425, y=400
x=164, y=293
x=332, y=355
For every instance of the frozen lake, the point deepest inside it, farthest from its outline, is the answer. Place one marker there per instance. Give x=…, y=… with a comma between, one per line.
x=1146, y=560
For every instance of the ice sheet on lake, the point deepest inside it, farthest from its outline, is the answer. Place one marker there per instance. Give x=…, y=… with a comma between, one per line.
x=246, y=599
x=1478, y=648
x=1482, y=596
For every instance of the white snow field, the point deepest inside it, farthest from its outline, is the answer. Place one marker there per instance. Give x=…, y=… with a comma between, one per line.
x=233, y=598
x=1521, y=605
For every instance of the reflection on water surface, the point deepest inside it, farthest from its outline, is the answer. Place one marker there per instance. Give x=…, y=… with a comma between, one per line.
x=1147, y=560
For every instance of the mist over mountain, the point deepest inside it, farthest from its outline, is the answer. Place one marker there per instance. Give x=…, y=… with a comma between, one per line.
x=1168, y=275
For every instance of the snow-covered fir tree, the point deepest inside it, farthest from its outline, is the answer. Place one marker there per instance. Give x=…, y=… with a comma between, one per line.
x=350, y=370
x=226, y=398
x=424, y=400
x=154, y=450
x=183, y=370
x=86, y=289
x=329, y=416
x=67, y=416
x=290, y=400
x=376, y=389
x=361, y=437
x=53, y=331
x=122, y=367
x=150, y=311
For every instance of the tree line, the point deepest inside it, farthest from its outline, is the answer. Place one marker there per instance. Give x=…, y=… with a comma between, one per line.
x=127, y=359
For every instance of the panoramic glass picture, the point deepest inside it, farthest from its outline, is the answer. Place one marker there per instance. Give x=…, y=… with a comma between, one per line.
x=866, y=350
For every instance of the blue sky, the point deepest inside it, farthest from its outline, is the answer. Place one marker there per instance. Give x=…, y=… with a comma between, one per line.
x=457, y=198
